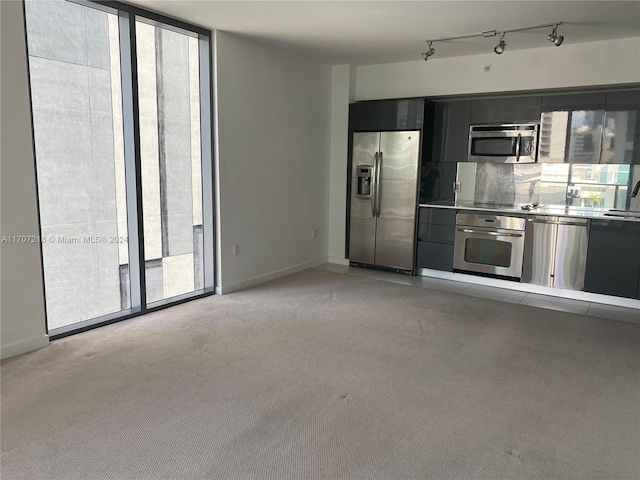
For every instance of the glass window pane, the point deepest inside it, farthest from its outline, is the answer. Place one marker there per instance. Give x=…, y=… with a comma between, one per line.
x=554, y=178
x=600, y=186
x=169, y=105
x=74, y=64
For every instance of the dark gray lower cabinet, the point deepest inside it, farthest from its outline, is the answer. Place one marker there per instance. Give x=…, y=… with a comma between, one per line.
x=436, y=232
x=438, y=256
x=613, y=259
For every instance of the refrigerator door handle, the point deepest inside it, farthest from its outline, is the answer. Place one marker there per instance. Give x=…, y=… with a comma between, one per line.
x=380, y=158
x=374, y=185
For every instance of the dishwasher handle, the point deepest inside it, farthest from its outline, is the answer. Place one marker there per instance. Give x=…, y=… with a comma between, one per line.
x=578, y=222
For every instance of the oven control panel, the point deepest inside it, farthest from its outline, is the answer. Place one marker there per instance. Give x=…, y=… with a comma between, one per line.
x=502, y=222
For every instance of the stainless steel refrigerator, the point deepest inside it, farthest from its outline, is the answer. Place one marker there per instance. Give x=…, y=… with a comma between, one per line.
x=383, y=199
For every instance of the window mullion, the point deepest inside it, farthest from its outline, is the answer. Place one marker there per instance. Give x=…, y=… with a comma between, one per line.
x=133, y=168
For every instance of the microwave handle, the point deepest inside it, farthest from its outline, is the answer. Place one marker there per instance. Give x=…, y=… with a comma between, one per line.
x=518, y=147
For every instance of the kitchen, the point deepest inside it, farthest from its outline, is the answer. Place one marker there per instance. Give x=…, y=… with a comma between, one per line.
x=532, y=189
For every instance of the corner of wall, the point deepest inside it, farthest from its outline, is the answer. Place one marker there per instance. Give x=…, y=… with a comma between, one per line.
x=272, y=161
x=22, y=319
x=24, y=346
x=353, y=82
x=342, y=86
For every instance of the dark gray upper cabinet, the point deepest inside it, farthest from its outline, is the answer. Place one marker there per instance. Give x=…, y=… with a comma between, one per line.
x=571, y=128
x=451, y=121
x=506, y=110
x=613, y=258
x=436, y=181
x=621, y=140
x=378, y=115
x=574, y=102
x=451, y=131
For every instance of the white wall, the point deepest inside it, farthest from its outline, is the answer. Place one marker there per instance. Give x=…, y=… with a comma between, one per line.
x=273, y=160
x=577, y=65
x=22, y=323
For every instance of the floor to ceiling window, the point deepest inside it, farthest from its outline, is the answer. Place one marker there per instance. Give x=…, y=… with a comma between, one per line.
x=168, y=79
x=121, y=119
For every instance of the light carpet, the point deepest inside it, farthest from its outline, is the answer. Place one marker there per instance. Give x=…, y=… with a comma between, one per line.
x=321, y=375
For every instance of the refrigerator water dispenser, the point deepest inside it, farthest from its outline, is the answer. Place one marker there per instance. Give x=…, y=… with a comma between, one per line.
x=364, y=173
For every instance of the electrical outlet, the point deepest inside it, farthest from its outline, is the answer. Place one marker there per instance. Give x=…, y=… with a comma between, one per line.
x=314, y=233
x=236, y=250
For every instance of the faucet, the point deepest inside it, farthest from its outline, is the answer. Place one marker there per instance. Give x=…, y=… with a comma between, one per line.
x=635, y=189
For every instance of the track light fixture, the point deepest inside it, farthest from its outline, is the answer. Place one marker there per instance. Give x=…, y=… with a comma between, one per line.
x=502, y=44
x=429, y=52
x=553, y=37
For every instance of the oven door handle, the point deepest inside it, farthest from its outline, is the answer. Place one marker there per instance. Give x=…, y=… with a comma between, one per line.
x=494, y=234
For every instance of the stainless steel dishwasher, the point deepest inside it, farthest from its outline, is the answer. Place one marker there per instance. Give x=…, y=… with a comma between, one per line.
x=555, y=251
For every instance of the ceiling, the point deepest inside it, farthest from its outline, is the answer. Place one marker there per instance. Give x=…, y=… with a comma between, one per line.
x=370, y=32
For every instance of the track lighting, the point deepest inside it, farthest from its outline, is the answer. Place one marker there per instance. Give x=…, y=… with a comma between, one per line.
x=429, y=52
x=502, y=44
x=553, y=37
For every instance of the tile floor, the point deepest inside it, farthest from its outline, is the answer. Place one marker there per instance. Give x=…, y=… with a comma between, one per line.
x=580, y=307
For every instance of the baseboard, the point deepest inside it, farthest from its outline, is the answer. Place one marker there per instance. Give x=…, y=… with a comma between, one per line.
x=267, y=277
x=531, y=288
x=339, y=260
x=25, y=346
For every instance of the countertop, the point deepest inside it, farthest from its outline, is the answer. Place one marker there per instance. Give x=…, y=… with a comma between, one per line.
x=552, y=210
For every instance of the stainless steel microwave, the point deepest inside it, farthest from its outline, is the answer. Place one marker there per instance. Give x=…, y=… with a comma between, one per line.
x=508, y=143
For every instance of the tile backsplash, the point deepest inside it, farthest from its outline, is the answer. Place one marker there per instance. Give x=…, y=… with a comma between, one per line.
x=586, y=185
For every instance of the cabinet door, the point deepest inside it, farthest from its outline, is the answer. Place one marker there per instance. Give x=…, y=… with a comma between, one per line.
x=436, y=232
x=378, y=115
x=437, y=256
x=455, y=134
x=613, y=258
x=439, y=129
x=436, y=182
x=621, y=140
x=506, y=110
x=571, y=128
x=439, y=216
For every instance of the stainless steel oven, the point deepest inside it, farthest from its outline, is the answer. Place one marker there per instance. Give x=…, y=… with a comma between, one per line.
x=489, y=244
x=508, y=143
